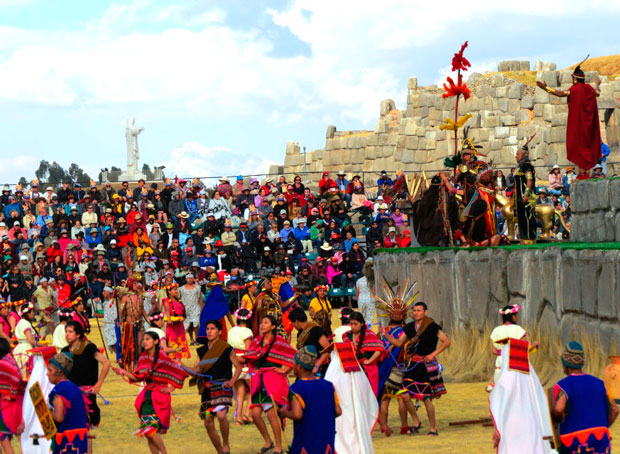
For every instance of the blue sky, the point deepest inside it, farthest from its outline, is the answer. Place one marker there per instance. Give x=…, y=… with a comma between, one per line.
x=221, y=86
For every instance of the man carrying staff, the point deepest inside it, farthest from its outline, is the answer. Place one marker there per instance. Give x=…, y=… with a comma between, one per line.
x=582, y=406
x=583, y=133
x=525, y=196
x=131, y=314
x=84, y=373
x=423, y=377
x=267, y=303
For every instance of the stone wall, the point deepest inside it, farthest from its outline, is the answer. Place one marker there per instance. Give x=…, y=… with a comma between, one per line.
x=504, y=112
x=595, y=205
x=558, y=289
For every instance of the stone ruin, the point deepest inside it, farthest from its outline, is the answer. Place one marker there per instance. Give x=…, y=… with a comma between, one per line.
x=504, y=113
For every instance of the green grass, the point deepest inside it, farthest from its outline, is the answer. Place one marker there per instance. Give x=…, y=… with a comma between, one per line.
x=468, y=367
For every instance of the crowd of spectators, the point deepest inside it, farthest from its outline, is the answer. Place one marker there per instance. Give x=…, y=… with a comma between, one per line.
x=63, y=239
x=67, y=237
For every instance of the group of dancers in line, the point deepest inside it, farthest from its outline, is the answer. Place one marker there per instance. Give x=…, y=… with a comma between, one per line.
x=344, y=378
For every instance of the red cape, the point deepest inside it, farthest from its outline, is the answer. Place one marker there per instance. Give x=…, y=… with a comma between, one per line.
x=583, y=131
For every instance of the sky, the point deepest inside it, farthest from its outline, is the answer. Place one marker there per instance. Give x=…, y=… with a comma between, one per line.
x=221, y=86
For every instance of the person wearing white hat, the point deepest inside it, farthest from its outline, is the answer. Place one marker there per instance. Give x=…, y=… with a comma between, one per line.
x=597, y=171
x=302, y=233
x=43, y=297
x=225, y=188
x=342, y=184
x=555, y=181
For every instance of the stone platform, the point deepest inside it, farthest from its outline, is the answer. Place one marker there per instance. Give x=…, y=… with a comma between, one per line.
x=595, y=206
x=560, y=286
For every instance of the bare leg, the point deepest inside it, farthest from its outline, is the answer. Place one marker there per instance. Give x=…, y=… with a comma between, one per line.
x=383, y=416
x=224, y=429
x=260, y=425
x=89, y=442
x=6, y=447
x=152, y=446
x=240, y=390
x=402, y=412
x=159, y=443
x=272, y=416
x=430, y=411
x=411, y=409
x=190, y=332
x=212, y=432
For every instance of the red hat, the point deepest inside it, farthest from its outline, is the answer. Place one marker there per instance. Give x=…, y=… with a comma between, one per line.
x=219, y=243
x=335, y=235
x=189, y=249
x=325, y=173
x=406, y=232
x=174, y=253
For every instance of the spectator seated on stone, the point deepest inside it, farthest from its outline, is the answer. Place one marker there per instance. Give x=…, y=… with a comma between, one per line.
x=597, y=171
x=555, y=186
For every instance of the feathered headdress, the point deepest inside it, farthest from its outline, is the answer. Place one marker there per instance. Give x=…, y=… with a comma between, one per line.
x=398, y=304
x=18, y=187
x=93, y=184
x=578, y=72
x=35, y=182
x=525, y=146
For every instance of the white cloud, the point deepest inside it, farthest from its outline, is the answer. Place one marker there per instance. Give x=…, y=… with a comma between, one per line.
x=193, y=159
x=11, y=169
x=476, y=67
x=182, y=58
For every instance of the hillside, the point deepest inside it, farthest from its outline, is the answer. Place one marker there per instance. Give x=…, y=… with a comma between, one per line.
x=606, y=66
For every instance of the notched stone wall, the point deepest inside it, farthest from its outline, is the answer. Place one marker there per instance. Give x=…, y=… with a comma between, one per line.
x=561, y=290
x=503, y=110
x=595, y=205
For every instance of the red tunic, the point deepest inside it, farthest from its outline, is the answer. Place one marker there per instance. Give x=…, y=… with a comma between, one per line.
x=583, y=133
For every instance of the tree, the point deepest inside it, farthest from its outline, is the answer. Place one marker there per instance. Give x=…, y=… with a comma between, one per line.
x=77, y=175
x=23, y=182
x=43, y=172
x=146, y=170
x=115, y=169
x=57, y=174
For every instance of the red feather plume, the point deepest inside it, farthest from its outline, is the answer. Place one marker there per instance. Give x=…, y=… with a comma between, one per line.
x=458, y=61
x=460, y=88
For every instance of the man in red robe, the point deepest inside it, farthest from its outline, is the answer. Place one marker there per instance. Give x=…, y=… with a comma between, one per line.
x=583, y=133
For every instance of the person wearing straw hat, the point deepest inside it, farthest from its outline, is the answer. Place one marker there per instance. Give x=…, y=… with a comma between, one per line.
x=224, y=188
x=582, y=406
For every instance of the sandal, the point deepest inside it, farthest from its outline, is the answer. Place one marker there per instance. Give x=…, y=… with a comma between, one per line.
x=239, y=422
x=433, y=433
x=265, y=450
x=414, y=429
x=246, y=420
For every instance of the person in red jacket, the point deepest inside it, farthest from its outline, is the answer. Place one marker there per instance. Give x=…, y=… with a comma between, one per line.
x=405, y=240
x=325, y=183
x=392, y=239
x=64, y=291
x=53, y=251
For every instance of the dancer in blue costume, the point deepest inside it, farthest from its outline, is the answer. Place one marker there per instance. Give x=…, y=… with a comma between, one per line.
x=314, y=407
